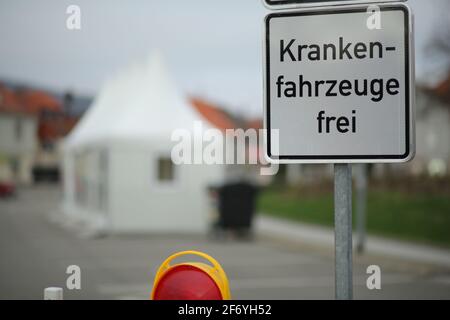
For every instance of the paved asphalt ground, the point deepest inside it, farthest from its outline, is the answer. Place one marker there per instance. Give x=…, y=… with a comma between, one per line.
x=35, y=252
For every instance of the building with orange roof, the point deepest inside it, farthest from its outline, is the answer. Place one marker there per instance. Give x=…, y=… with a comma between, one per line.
x=432, y=130
x=38, y=101
x=18, y=142
x=32, y=123
x=217, y=117
x=442, y=91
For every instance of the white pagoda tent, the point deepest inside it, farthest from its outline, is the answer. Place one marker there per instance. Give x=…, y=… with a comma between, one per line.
x=118, y=173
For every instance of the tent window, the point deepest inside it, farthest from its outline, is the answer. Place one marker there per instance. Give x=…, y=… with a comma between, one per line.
x=165, y=170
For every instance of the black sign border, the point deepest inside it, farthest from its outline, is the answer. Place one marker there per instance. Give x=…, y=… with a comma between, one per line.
x=285, y=2
x=404, y=156
x=275, y=3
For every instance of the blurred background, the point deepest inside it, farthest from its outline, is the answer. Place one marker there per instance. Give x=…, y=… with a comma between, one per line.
x=90, y=94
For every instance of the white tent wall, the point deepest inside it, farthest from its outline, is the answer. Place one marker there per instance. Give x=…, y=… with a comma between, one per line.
x=85, y=187
x=139, y=202
x=97, y=174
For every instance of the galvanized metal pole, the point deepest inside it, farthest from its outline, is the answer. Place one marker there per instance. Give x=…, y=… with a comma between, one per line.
x=343, y=231
x=361, y=207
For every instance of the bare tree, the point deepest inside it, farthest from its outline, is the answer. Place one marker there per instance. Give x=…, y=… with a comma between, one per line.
x=441, y=40
x=439, y=51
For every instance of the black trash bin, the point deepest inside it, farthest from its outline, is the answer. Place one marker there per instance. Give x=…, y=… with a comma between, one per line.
x=237, y=204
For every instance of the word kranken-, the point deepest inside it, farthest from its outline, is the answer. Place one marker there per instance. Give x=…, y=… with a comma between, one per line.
x=376, y=89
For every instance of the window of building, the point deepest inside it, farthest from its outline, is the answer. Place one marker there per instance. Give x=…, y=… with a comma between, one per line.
x=18, y=129
x=166, y=170
x=48, y=146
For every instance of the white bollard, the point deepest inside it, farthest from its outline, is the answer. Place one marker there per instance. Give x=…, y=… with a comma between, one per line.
x=53, y=293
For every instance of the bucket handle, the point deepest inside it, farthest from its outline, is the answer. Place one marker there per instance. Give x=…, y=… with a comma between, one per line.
x=166, y=264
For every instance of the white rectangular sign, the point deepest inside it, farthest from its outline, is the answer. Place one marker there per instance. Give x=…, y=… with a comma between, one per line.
x=339, y=85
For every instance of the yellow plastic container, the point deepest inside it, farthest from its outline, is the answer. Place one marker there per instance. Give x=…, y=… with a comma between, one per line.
x=214, y=271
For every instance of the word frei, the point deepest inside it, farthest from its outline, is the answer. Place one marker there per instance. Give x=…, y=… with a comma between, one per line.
x=212, y=146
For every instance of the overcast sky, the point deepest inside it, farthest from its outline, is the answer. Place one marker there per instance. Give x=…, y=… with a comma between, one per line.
x=213, y=47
